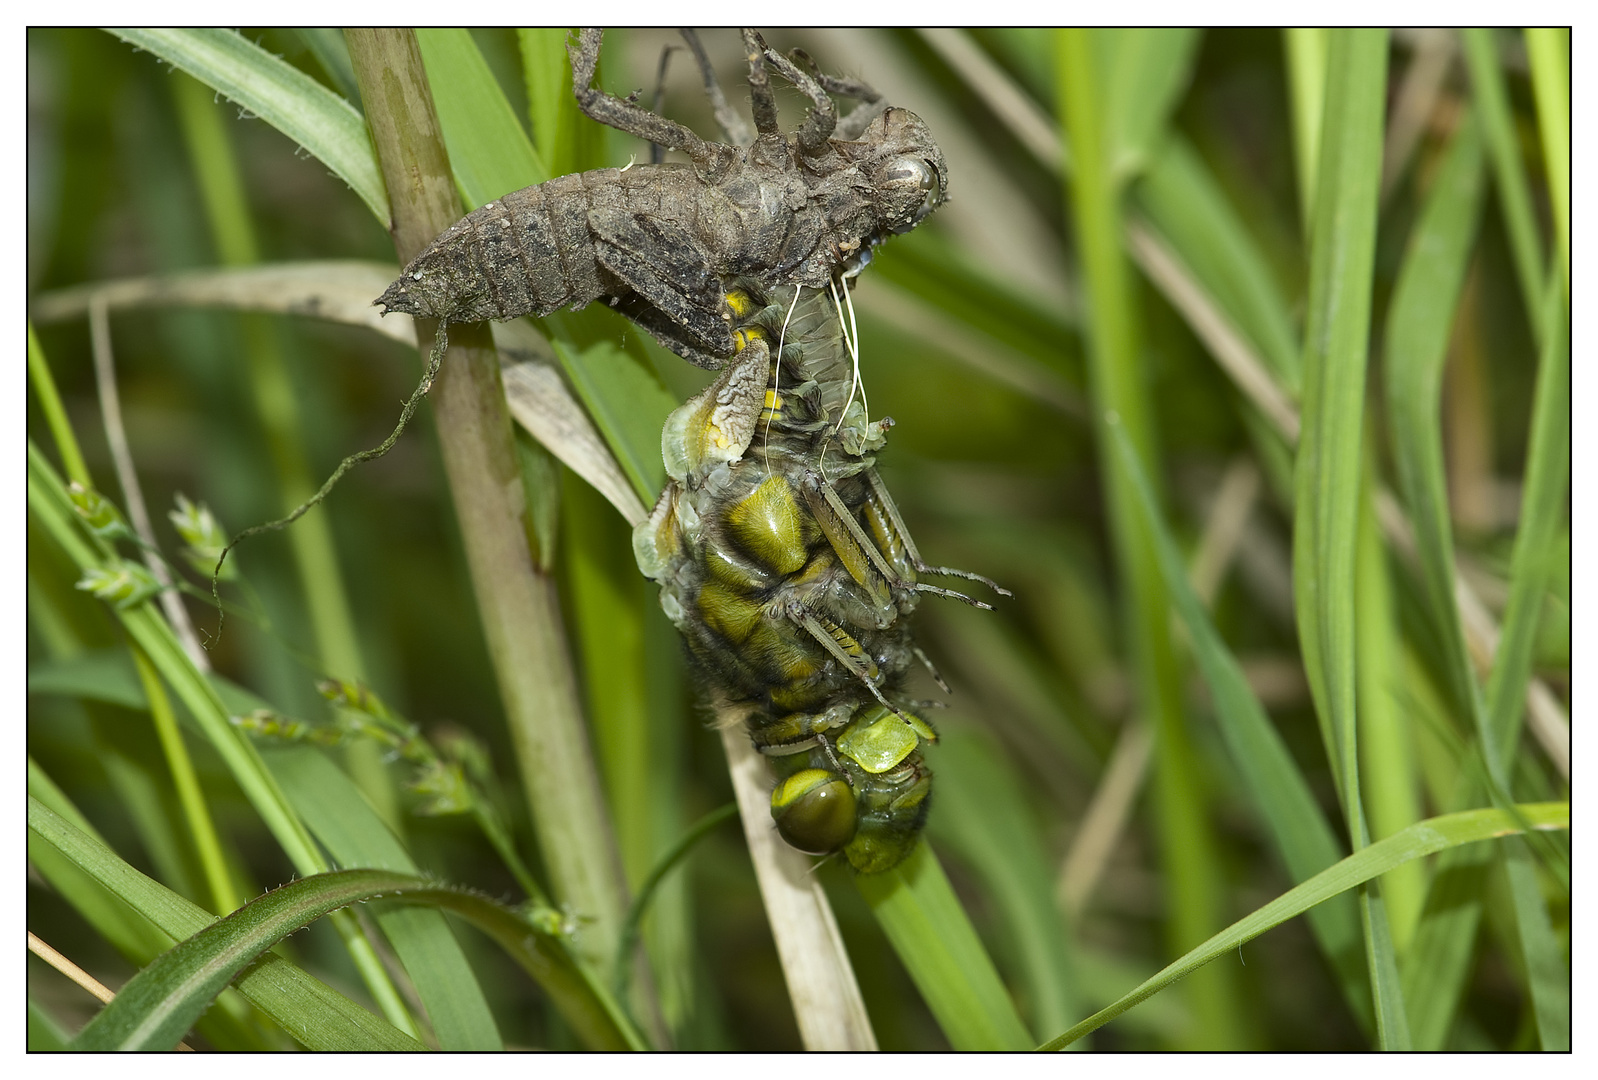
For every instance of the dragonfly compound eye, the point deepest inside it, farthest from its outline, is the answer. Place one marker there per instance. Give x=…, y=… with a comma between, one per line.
x=910, y=185
x=814, y=810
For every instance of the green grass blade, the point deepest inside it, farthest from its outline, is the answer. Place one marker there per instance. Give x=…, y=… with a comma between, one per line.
x=1547, y=968
x=490, y=155
x=1438, y=962
x=1328, y=469
x=47, y=499
x=638, y=733
x=489, y=151
x=1328, y=488
x=1541, y=510
x=629, y=406
x=1389, y=779
x=327, y=45
x=944, y=276
x=1144, y=73
x=1548, y=48
x=929, y=931
x=565, y=139
x=129, y=931
x=1284, y=802
x=1118, y=383
x=318, y=1016
x=326, y=125
x=1421, y=839
x=517, y=602
x=1542, y=507
x=1306, y=48
x=1509, y=171
x=303, y=1005
x=354, y=835
x=1419, y=323
x=1186, y=203
x=55, y=416
x=984, y=820
x=196, y=812
x=1417, y=338
x=106, y=675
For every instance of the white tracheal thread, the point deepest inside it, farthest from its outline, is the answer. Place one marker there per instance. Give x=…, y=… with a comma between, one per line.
x=851, y=338
x=776, y=380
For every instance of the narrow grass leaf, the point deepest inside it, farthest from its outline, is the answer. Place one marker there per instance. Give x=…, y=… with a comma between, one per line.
x=1547, y=968
x=1548, y=49
x=327, y=45
x=55, y=415
x=48, y=500
x=1118, y=382
x=1328, y=491
x=1542, y=508
x=1185, y=202
x=1491, y=94
x=566, y=140
x=942, y=275
x=104, y=675
x=1417, y=337
x=1286, y=806
x=491, y=155
x=1328, y=469
x=1306, y=48
x=1421, y=839
x=315, y=1014
x=1418, y=326
x=1389, y=780
x=929, y=931
x=1419, y=323
x=608, y=606
x=1439, y=959
x=354, y=834
x=129, y=931
x=326, y=125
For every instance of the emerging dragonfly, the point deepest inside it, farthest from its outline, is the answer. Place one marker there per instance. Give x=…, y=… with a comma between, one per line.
x=784, y=562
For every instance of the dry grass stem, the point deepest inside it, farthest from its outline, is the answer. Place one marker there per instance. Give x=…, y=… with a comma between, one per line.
x=821, y=983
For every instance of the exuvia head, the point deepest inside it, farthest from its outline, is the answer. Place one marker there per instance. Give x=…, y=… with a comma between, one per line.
x=908, y=177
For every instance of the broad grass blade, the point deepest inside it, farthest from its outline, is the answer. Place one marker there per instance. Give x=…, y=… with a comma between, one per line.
x=475, y=116
x=326, y=125
x=982, y=817
x=935, y=941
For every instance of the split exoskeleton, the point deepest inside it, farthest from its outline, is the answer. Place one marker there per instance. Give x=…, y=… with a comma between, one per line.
x=661, y=242
x=785, y=564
